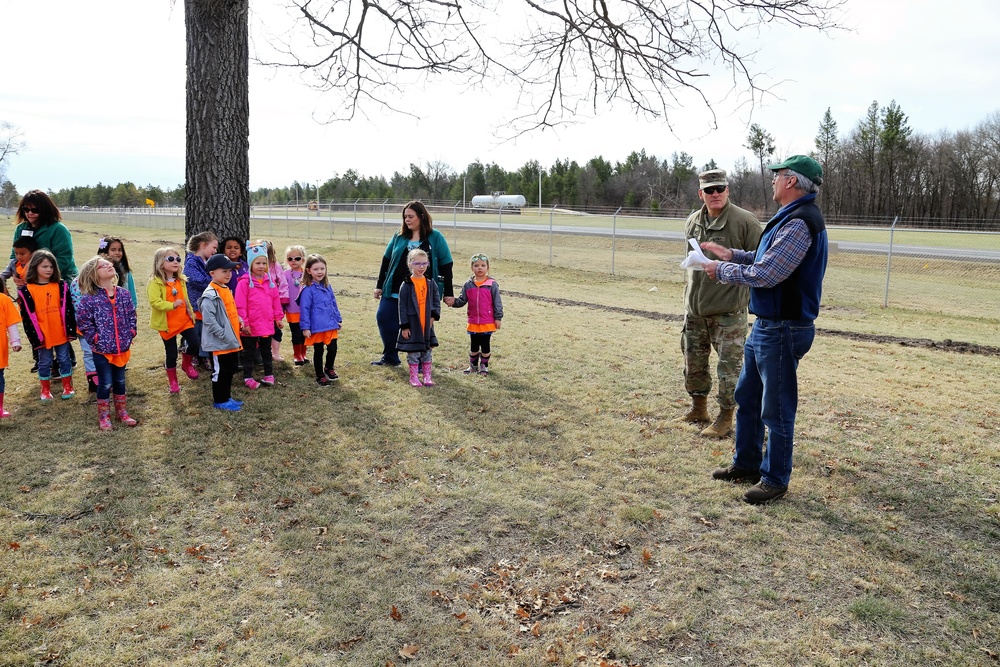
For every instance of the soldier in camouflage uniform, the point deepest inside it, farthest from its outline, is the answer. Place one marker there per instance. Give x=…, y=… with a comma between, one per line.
x=715, y=315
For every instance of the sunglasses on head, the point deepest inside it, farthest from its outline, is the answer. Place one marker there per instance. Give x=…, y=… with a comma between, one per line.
x=480, y=258
x=715, y=189
x=171, y=258
x=294, y=259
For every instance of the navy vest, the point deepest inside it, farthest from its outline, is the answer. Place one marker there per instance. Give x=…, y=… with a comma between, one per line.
x=797, y=297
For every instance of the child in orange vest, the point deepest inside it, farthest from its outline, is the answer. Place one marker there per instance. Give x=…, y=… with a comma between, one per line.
x=220, y=333
x=49, y=320
x=9, y=317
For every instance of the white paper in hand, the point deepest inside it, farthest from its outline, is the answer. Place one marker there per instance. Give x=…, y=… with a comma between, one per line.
x=695, y=259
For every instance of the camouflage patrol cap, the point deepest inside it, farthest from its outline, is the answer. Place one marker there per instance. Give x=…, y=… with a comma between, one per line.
x=707, y=179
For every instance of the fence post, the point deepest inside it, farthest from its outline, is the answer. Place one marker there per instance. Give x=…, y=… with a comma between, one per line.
x=454, y=233
x=888, y=264
x=383, y=219
x=500, y=233
x=356, y=218
x=614, y=238
x=551, y=213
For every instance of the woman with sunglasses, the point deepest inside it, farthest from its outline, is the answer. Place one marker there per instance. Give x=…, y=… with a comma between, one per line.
x=39, y=218
x=415, y=232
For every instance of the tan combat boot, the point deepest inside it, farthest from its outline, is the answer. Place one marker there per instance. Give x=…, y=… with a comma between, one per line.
x=698, y=411
x=722, y=426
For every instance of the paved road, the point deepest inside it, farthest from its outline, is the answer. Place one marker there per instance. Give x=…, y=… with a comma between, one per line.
x=929, y=252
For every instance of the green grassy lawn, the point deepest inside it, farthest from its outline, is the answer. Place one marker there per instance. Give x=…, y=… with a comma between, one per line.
x=547, y=514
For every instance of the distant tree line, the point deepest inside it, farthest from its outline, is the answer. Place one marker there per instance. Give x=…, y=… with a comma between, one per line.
x=879, y=169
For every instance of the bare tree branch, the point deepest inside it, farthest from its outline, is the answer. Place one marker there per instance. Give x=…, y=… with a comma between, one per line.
x=652, y=55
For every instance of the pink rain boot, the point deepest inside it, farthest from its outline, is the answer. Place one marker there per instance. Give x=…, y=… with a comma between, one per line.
x=414, y=379
x=426, y=369
x=172, y=378
x=187, y=365
x=104, y=414
x=121, y=413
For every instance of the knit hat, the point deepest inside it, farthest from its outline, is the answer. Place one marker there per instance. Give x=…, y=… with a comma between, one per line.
x=255, y=251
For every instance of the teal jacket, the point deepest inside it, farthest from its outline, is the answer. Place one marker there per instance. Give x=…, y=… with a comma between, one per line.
x=394, y=271
x=56, y=238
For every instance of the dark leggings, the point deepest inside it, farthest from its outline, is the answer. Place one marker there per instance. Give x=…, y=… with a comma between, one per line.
x=297, y=337
x=249, y=354
x=387, y=318
x=170, y=346
x=225, y=366
x=331, y=356
x=480, y=342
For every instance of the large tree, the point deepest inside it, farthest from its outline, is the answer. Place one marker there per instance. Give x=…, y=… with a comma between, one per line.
x=217, y=168
x=564, y=55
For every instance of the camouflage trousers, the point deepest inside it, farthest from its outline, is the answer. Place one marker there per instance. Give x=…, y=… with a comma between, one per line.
x=726, y=333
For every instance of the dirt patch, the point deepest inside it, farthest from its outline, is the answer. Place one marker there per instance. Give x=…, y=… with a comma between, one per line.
x=946, y=345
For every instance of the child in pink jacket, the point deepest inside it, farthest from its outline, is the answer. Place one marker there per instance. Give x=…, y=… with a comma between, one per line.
x=258, y=302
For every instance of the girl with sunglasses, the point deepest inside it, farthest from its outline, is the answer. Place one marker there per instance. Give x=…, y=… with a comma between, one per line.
x=295, y=255
x=171, y=313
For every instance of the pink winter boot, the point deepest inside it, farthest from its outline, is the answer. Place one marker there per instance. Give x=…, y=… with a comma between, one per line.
x=414, y=378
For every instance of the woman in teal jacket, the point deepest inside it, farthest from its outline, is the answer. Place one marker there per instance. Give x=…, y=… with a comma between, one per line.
x=415, y=232
x=38, y=217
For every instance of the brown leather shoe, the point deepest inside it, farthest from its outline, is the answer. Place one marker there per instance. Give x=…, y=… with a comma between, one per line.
x=763, y=493
x=733, y=474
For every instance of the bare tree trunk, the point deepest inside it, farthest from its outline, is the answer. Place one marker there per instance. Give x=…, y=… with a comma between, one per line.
x=218, y=118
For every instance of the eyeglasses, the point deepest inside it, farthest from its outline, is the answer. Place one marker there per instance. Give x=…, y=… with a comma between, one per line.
x=715, y=189
x=480, y=258
x=294, y=259
x=779, y=174
x=419, y=263
x=171, y=258
x=30, y=210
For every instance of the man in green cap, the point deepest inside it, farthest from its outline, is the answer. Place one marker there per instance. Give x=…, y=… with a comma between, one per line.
x=785, y=276
x=715, y=315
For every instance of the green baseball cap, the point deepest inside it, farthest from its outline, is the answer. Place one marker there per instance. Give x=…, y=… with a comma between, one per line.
x=803, y=164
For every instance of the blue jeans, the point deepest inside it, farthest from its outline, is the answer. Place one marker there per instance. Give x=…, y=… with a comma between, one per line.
x=61, y=354
x=767, y=395
x=88, y=356
x=387, y=317
x=108, y=377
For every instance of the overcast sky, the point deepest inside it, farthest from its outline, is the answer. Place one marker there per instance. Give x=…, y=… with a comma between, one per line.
x=98, y=90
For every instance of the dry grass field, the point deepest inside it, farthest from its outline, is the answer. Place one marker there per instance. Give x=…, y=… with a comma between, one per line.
x=548, y=514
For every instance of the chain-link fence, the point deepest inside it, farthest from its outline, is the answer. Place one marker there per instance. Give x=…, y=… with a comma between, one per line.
x=937, y=270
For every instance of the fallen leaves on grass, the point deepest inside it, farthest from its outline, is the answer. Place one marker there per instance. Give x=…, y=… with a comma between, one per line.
x=395, y=615
x=409, y=651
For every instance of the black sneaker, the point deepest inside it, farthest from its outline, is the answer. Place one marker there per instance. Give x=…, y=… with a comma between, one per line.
x=332, y=374
x=763, y=493
x=34, y=367
x=733, y=474
x=385, y=362
x=323, y=381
